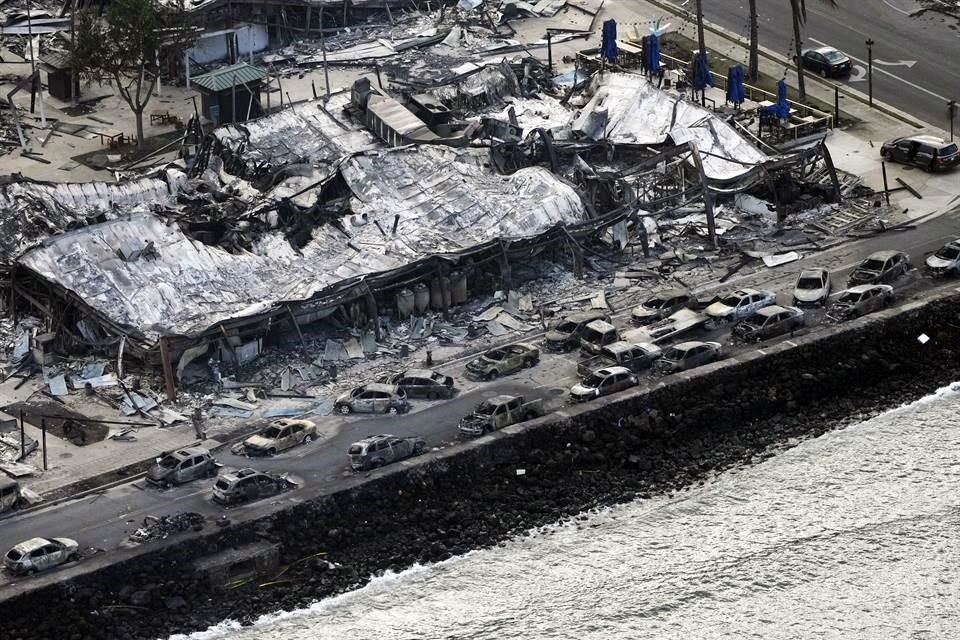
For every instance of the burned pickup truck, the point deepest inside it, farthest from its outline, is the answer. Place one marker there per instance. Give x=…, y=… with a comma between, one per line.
x=499, y=412
x=635, y=357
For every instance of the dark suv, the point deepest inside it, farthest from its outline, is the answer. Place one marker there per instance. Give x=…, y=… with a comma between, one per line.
x=927, y=152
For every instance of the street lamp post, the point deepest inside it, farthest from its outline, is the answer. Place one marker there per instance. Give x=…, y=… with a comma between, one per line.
x=870, y=44
x=952, y=115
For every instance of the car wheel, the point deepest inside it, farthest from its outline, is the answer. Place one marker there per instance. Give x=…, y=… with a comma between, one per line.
x=307, y=439
x=165, y=484
x=211, y=472
x=823, y=73
x=394, y=411
x=531, y=362
x=271, y=452
x=886, y=155
x=376, y=464
x=73, y=557
x=30, y=572
x=343, y=409
x=493, y=375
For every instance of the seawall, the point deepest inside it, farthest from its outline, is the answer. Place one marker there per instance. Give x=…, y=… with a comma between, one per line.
x=654, y=439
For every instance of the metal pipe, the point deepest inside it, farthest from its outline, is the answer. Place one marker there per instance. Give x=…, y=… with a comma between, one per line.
x=43, y=436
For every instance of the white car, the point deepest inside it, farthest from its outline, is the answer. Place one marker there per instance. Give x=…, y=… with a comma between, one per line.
x=813, y=287
x=37, y=554
x=603, y=382
x=739, y=305
x=946, y=261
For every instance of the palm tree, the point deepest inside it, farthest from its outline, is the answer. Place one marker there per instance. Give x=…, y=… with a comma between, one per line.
x=798, y=12
x=753, y=66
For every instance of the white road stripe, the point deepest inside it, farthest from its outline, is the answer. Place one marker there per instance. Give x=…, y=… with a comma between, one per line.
x=884, y=71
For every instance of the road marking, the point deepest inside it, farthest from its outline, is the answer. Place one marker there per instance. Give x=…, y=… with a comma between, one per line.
x=895, y=77
x=896, y=8
x=899, y=63
x=858, y=73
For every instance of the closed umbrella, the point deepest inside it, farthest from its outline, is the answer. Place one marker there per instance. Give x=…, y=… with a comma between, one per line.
x=782, y=107
x=608, y=46
x=701, y=73
x=735, y=89
x=654, y=54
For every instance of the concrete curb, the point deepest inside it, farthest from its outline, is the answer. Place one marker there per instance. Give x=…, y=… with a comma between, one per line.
x=859, y=96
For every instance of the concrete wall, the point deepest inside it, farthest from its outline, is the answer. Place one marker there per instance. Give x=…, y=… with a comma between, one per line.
x=613, y=450
x=212, y=48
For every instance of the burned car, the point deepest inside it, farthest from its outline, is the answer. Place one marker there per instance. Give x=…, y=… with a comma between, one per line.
x=812, y=287
x=502, y=361
x=769, y=322
x=860, y=300
x=245, y=485
x=688, y=355
x=10, y=496
x=37, y=554
x=280, y=435
x=674, y=326
x=373, y=398
x=945, y=262
x=597, y=335
x=499, y=412
x=662, y=304
x=739, y=305
x=565, y=334
x=880, y=267
x=635, y=357
x=603, y=382
x=182, y=465
x=422, y=383
x=375, y=451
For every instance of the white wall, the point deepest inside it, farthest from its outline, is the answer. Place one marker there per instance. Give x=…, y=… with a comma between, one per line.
x=212, y=47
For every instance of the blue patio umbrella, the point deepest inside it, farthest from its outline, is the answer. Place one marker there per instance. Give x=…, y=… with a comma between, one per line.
x=608, y=43
x=735, y=90
x=781, y=108
x=701, y=73
x=653, y=54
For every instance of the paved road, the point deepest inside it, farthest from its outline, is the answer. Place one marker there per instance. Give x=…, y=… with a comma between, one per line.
x=921, y=90
x=105, y=520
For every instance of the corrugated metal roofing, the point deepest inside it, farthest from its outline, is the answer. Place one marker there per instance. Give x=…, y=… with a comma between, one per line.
x=229, y=77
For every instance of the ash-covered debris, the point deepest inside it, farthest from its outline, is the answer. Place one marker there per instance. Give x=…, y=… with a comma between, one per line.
x=162, y=527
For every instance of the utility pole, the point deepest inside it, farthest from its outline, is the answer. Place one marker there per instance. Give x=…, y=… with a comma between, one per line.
x=952, y=115
x=326, y=73
x=701, y=42
x=870, y=44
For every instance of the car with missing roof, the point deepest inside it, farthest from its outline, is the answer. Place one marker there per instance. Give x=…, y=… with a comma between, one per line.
x=279, y=436
x=422, y=383
x=927, y=152
x=880, y=267
x=813, y=287
x=597, y=335
x=945, y=262
x=503, y=361
x=826, y=61
x=39, y=554
x=375, y=397
x=245, y=485
x=739, y=304
x=661, y=304
x=181, y=466
x=564, y=335
x=603, y=382
x=376, y=451
x=860, y=300
x=769, y=322
x=688, y=355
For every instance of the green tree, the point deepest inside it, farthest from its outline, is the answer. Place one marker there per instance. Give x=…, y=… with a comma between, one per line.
x=125, y=43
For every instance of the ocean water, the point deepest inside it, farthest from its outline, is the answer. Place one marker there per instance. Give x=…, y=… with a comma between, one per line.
x=854, y=535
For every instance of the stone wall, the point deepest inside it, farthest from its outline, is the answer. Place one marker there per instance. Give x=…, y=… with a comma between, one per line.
x=661, y=439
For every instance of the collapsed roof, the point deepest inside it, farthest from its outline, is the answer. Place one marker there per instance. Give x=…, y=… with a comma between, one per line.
x=148, y=279
x=626, y=109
